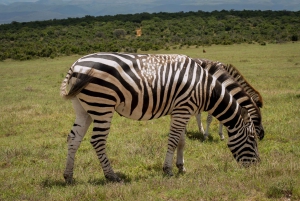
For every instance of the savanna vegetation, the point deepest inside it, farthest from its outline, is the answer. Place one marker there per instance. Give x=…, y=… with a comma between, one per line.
x=53, y=38
x=35, y=121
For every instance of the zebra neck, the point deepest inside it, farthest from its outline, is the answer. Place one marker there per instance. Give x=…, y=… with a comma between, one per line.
x=223, y=106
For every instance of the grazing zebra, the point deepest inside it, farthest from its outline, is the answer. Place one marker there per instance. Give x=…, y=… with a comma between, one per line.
x=238, y=77
x=237, y=91
x=143, y=87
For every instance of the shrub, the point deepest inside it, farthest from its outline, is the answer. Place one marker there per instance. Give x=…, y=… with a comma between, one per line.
x=294, y=37
x=263, y=43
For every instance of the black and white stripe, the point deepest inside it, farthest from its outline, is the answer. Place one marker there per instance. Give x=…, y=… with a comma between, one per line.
x=143, y=87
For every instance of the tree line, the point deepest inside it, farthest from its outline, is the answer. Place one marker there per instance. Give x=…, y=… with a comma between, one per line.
x=53, y=38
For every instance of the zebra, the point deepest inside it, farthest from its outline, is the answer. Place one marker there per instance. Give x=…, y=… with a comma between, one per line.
x=238, y=77
x=149, y=86
x=232, y=85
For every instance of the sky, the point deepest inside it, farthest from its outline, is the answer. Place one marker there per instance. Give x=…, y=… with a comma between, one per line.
x=288, y=3
x=49, y=9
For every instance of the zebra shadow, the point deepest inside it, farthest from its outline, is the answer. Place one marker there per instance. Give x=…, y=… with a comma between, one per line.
x=196, y=135
x=193, y=135
x=49, y=182
x=103, y=181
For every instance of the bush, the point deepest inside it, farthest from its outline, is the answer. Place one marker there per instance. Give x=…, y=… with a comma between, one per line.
x=263, y=43
x=294, y=37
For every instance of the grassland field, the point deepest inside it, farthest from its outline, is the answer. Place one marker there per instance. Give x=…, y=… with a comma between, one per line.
x=35, y=122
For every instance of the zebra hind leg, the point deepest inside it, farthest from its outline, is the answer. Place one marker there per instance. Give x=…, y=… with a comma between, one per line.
x=98, y=140
x=81, y=125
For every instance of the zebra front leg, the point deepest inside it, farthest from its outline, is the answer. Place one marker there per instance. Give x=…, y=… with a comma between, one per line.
x=81, y=125
x=200, y=125
x=98, y=140
x=208, y=122
x=221, y=131
x=180, y=158
x=177, y=129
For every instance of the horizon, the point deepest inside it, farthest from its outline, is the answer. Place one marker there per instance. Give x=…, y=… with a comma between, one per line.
x=40, y=10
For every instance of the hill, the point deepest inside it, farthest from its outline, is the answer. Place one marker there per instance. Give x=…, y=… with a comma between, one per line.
x=52, y=38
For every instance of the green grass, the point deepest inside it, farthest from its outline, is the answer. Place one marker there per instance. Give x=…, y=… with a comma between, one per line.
x=35, y=121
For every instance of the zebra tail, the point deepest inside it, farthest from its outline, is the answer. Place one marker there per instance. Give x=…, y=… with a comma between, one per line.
x=65, y=83
x=82, y=80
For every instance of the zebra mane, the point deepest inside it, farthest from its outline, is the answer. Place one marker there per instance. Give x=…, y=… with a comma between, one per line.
x=238, y=77
x=254, y=94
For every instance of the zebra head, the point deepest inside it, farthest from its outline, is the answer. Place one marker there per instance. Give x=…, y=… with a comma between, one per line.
x=257, y=120
x=243, y=141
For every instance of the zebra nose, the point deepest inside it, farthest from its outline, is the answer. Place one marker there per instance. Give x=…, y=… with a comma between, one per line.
x=246, y=163
x=261, y=134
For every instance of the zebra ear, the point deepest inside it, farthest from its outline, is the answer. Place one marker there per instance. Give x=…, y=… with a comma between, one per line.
x=245, y=115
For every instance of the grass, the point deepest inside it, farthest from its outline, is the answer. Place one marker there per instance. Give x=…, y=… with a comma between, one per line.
x=35, y=121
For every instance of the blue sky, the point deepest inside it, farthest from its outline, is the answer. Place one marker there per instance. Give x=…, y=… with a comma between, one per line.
x=287, y=3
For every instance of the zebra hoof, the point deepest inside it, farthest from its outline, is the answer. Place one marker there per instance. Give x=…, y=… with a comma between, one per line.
x=222, y=137
x=113, y=178
x=168, y=171
x=68, y=178
x=181, y=168
x=205, y=136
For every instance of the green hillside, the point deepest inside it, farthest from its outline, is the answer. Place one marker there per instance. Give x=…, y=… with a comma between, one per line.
x=53, y=38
